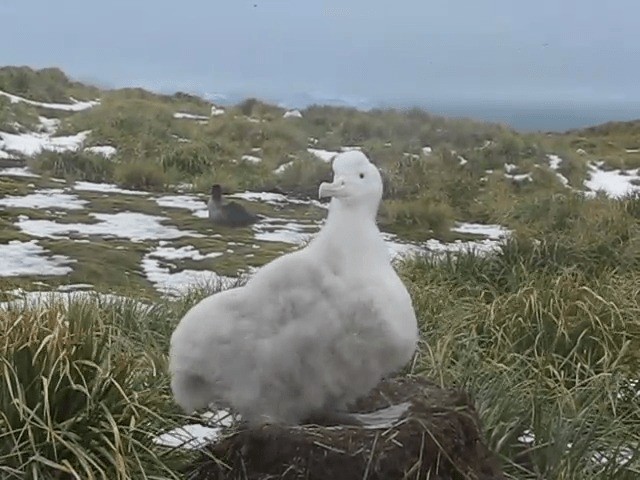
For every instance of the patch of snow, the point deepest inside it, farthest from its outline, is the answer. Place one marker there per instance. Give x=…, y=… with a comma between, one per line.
x=494, y=232
x=196, y=435
x=106, y=151
x=173, y=253
x=527, y=437
x=32, y=143
x=292, y=114
x=324, y=155
x=554, y=161
x=581, y=151
x=177, y=283
x=554, y=164
x=275, y=199
x=130, y=225
x=29, y=258
x=49, y=125
x=427, y=150
x=480, y=247
x=215, y=111
x=184, y=186
x=398, y=249
x=188, y=202
x=105, y=188
x=486, y=144
x=632, y=150
x=520, y=177
x=41, y=199
x=35, y=299
x=189, y=116
x=75, y=106
x=190, y=436
x=17, y=172
x=284, y=231
x=509, y=167
x=283, y=167
x=614, y=183
x=251, y=159
x=350, y=149
x=623, y=456
x=72, y=287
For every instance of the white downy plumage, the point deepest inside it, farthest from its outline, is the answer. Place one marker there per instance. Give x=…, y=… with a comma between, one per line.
x=313, y=330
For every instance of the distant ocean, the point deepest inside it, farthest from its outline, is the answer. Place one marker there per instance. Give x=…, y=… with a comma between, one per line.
x=546, y=118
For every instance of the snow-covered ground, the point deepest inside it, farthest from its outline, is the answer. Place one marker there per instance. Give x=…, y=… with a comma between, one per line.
x=188, y=202
x=17, y=172
x=105, y=188
x=106, y=151
x=32, y=143
x=177, y=283
x=189, y=116
x=29, y=258
x=64, y=294
x=276, y=199
x=133, y=226
x=492, y=232
x=554, y=163
x=283, y=167
x=251, y=159
x=156, y=264
x=284, y=231
x=53, y=198
x=614, y=183
x=196, y=435
x=74, y=106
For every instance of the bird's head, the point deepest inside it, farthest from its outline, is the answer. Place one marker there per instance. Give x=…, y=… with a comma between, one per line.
x=356, y=181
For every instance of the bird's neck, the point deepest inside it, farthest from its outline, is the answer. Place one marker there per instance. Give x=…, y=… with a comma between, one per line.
x=355, y=224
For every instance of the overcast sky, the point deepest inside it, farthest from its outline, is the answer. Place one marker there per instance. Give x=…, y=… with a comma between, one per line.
x=373, y=50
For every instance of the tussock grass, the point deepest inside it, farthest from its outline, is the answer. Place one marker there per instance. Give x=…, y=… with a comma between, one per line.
x=82, y=391
x=78, y=165
x=544, y=346
x=44, y=85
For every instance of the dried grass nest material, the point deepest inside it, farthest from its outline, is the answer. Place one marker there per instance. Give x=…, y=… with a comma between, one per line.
x=437, y=437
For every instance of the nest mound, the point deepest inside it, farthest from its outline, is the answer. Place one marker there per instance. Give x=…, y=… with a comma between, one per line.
x=413, y=429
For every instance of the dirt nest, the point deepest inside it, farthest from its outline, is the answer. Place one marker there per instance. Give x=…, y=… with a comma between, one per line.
x=437, y=435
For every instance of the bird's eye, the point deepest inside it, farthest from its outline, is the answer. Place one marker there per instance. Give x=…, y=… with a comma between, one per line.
x=362, y=175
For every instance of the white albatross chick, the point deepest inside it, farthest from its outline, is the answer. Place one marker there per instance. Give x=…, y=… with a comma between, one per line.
x=311, y=331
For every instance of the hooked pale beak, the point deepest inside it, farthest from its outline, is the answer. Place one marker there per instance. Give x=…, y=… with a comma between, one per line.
x=334, y=189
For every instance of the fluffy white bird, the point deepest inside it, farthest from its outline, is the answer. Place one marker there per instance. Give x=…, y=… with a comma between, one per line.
x=311, y=331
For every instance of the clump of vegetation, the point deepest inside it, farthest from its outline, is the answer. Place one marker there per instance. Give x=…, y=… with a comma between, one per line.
x=304, y=174
x=15, y=117
x=141, y=176
x=43, y=85
x=82, y=393
x=77, y=165
x=548, y=349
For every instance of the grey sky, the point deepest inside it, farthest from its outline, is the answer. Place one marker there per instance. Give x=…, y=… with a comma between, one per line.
x=376, y=50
